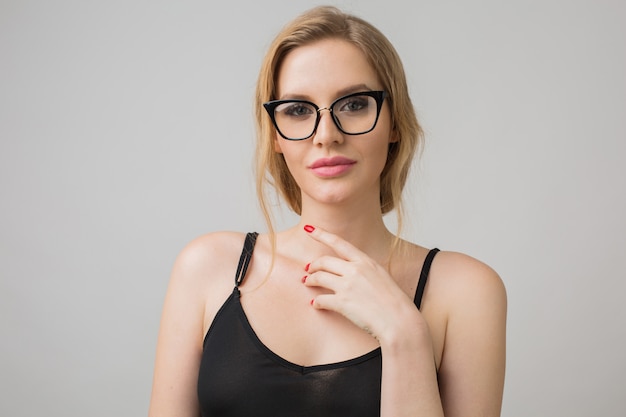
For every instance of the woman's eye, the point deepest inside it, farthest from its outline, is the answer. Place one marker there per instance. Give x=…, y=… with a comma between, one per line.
x=297, y=110
x=354, y=104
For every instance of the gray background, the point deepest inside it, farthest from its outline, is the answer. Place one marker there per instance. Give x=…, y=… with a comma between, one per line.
x=126, y=131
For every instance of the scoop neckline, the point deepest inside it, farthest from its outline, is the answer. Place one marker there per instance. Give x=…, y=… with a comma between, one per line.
x=304, y=369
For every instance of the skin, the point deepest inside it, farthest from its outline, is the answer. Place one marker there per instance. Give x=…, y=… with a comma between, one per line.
x=447, y=359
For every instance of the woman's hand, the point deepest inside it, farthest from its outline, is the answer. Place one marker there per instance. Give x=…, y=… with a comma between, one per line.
x=470, y=378
x=361, y=289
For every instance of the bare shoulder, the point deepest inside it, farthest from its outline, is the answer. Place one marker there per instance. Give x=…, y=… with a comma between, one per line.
x=212, y=250
x=463, y=280
x=208, y=262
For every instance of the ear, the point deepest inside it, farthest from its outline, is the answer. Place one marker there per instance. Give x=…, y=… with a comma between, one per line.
x=393, y=136
x=277, y=148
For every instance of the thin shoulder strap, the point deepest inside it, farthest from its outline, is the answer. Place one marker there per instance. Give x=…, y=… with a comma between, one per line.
x=244, y=259
x=424, y=277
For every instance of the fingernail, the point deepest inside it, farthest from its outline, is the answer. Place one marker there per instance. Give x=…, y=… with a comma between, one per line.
x=312, y=301
x=304, y=279
x=308, y=228
x=306, y=268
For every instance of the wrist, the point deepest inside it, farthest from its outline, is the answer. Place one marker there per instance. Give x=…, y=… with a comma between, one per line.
x=407, y=332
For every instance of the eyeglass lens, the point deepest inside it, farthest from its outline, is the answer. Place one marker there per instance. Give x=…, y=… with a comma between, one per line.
x=353, y=115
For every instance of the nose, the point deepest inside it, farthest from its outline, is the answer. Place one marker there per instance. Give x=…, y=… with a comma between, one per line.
x=327, y=131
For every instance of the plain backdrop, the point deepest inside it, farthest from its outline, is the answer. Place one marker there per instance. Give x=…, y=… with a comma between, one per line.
x=126, y=131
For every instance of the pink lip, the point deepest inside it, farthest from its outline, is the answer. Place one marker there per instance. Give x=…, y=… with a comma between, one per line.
x=331, y=167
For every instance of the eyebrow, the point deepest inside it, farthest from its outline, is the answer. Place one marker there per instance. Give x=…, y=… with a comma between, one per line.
x=344, y=91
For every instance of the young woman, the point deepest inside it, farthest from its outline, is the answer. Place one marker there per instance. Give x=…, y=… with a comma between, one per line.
x=336, y=316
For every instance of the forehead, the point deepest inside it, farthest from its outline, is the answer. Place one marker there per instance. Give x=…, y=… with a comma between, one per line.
x=323, y=70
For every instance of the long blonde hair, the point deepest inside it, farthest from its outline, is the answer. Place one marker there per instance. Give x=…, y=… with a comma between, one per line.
x=320, y=23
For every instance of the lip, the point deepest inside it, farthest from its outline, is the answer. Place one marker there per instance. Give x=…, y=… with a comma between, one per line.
x=331, y=167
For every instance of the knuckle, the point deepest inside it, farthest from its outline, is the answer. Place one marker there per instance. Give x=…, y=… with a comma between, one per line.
x=354, y=269
x=346, y=285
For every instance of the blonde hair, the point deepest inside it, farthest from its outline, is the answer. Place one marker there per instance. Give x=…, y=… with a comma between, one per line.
x=320, y=23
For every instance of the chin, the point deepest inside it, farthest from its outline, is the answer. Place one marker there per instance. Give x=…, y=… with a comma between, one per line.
x=336, y=196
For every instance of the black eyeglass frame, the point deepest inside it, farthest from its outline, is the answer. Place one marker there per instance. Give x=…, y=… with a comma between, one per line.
x=379, y=96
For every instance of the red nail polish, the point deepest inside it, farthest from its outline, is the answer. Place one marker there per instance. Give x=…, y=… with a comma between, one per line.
x=306, y=268
x=304, y=279
x=312, y=301
x=308, y=228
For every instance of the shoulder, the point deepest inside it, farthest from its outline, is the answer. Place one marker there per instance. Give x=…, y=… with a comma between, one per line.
x=211, y=249
x=208, y=257
x=466, y=292
x=203, y=275
x=461, y=277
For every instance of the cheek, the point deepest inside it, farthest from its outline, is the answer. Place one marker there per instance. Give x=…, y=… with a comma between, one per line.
x=383, y=155
x=289, y=153
x=380, y=153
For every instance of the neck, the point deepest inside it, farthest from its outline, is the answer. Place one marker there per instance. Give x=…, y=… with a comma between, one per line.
x=360, y=223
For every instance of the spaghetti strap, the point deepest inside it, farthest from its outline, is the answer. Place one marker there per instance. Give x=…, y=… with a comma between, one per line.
x=424, y=277
x=244, y=259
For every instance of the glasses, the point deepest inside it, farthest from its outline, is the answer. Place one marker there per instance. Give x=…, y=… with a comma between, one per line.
x=354, y=114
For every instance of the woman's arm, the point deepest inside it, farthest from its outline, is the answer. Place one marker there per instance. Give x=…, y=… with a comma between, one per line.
x=197, y=287
x=471, y=375
x=179, y=345
x=409, y=377
x=470, y=380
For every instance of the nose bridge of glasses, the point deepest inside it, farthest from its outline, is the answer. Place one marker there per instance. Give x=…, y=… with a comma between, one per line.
x=333, y=117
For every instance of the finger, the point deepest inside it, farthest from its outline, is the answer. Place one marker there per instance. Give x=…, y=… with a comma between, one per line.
x=323, y=280
x=333, y=302
x=325, y=302
x=342, y=248
x=329, y=264
x=338, y=304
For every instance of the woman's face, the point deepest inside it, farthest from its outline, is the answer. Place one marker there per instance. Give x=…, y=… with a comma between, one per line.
x=331, y=166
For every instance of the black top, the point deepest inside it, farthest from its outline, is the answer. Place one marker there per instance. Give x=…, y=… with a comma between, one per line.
x=241, y=377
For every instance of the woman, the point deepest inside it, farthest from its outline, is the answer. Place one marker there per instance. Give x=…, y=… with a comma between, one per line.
x=331, y=317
